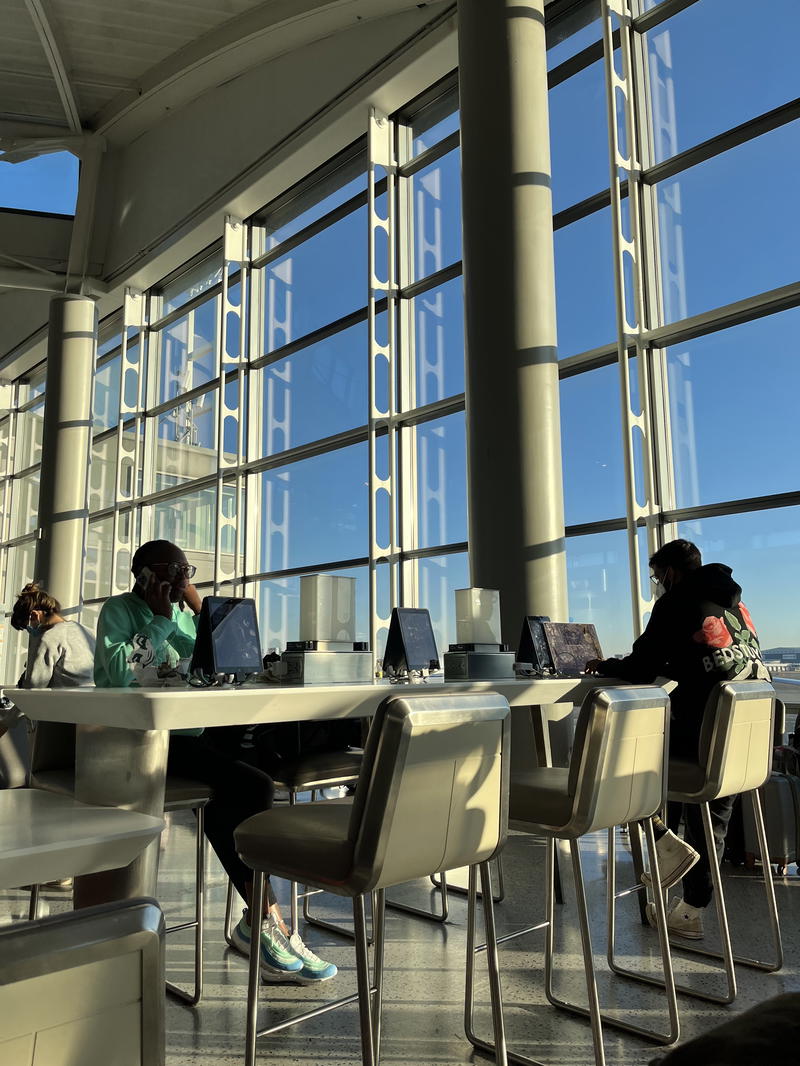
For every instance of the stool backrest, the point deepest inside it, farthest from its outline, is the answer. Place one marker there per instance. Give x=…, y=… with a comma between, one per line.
x=84, y=988
x=433, y=790
x=618, y=767
x=736, y=737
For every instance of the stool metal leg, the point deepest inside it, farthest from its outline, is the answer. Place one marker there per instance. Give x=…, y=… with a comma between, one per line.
x=293, y=911
x=362, y=973
x=497, y=1047
x=227, y=929
x=635, y=839
x=254, y=971
x=193, y=998
x=431, y=916
x=33, y=906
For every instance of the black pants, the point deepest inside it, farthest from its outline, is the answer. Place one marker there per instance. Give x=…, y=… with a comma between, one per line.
x=239, y=791
x=697, y=885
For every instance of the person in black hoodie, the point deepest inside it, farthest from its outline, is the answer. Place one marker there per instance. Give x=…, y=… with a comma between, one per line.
x=699, y=633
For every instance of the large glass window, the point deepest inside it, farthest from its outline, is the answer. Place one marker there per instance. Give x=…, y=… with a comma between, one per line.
x=733, y=425
x=314, y=511
x=729, y=226
x=591, y=446
x=599, y=588
x=585, y=284
x=714, y=65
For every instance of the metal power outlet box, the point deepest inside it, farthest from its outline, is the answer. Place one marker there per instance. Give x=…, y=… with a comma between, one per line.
x=327, y=667
x=479, y=665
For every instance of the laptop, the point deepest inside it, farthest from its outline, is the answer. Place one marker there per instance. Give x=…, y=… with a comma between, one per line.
x=558, y=649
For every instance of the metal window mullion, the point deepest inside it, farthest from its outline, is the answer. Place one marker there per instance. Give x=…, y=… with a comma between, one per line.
x=233, y=257
x=255, y=411
x=407, y=376
x=628, y=334
x=381, y=153
x=147, y=440
x=654, y=105
x=132, y=322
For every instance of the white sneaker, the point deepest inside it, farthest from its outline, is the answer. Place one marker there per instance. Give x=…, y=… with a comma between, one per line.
x=675, y=858
x=314, y=969
x=682, y=919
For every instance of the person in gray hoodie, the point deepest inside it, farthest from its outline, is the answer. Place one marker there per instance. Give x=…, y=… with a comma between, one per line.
x=699, y=633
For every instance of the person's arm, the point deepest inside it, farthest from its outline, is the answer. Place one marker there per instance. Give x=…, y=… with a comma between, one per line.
x=116, y=641
x=648, y=657
x=41, y=662
x=185, y=634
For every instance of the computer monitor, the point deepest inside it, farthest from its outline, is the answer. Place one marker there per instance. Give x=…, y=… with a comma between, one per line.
x=227, y=638
x=411, y=644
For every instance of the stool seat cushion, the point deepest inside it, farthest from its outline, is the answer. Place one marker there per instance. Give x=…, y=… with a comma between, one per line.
x=686, y=779
x=540, y=799
x=319, y=769
x=307, y=843
x=182, y=794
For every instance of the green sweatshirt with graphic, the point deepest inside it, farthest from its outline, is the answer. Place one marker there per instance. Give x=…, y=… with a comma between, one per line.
x=128, y=633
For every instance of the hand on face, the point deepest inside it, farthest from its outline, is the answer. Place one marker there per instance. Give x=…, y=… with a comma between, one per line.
x=158, y=596
x=191, y=597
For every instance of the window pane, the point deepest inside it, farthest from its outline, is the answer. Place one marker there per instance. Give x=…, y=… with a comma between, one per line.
x=24, y=504
x=315, y=393
x=719, y=248
x=431, y=127
x=46, y=183
x=105, y=408
x=330, y=192
x=99, y=555
x=442, y=488
x=568, y=36
x=585, y=284
x=5, y=437
x=196, y=281
x=102, y=474
x=436, y=196
x=190, y=522
x=314, y=511
x=714, y=66
x=599, y=588
x=321, y=280
x=21, y=563
x=278, y=604
x=579, y=136
x=33, y=386
x=438, y=323
x=186, y=447
x=439, y=577
x=30, y=427
x=722, y=450
x=763, y=549
x=591, y=446
x=187, y=352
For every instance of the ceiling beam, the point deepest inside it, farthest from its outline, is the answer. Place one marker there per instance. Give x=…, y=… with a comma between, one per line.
x=47, y=35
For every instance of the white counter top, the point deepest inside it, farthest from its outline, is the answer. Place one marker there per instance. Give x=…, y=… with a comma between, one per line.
x=186, y=708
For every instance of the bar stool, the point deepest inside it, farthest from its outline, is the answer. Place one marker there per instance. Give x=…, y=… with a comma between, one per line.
x=735, y=755
x=616, y=775
x=309, y=773
x=431, y=796
x=53, y=770
x=85, y=987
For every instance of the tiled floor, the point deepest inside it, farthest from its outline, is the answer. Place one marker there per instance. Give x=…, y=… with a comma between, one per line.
x=425, y=971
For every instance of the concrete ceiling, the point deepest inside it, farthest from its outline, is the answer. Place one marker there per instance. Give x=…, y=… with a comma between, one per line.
x=133, y=87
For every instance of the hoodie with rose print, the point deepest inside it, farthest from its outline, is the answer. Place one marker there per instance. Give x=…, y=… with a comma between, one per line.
x=699, y=633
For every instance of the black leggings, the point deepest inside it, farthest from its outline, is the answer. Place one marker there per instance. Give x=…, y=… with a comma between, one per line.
x=239, y=791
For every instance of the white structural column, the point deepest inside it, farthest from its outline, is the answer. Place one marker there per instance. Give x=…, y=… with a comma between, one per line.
x=71, y=345
x=516, y=507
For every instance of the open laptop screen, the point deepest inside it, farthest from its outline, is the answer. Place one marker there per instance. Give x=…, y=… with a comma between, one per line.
x=227, y=637
x=572, y=645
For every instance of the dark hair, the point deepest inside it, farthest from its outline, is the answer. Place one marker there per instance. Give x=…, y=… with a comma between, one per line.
x=148, y=553
x=33, y=598
x=681, y=554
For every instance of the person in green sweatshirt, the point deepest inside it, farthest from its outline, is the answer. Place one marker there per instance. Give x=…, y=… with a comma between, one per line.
x=154, y=624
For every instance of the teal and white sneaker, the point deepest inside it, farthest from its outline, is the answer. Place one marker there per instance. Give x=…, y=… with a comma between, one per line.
x=314, y=969
x=278, y=961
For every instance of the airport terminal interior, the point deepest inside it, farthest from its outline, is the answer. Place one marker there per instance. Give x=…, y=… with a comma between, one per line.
x=345, y=309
